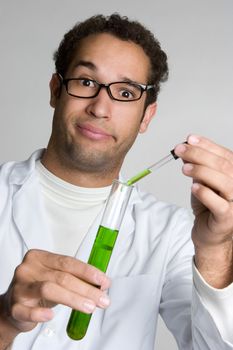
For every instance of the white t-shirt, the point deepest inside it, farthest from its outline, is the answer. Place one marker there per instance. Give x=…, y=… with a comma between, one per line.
x=70, y=209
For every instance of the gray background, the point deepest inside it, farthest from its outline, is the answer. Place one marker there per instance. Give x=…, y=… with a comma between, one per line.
x=197, y=35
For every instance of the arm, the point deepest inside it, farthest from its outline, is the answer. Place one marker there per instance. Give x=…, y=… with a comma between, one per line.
x=42, y=281
x=211, y=167
x=206, y=327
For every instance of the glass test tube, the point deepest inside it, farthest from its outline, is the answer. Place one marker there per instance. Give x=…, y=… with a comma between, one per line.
x=102, y=248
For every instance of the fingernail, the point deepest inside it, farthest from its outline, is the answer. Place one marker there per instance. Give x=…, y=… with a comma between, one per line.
x=89, y=306
x=46, y=315
x=187, y=167
x=193, y=139
x=104, y=301
x=195, y=187
x=180, y=149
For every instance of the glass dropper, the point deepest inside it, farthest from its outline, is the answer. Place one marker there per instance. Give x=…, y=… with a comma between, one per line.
x=152, y=168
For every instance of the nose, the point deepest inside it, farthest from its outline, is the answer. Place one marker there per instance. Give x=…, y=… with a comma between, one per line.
x=100, y=106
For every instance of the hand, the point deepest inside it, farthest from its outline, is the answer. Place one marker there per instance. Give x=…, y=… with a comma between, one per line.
x=45, y=279
x=211, y=167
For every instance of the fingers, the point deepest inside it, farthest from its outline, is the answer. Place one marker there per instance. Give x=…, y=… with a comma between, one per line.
x=217, y=181
x=210, y=146
x=216, y=204
x=207, y=153
x=76, y=294
x=58, y=279
x=23, y=313
x=49, y=262
x=85, y=298
x=208, y=163
x=45, y=279
x=64, y=270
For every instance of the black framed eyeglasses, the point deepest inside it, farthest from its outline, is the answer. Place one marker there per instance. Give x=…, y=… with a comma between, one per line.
x=119, y=90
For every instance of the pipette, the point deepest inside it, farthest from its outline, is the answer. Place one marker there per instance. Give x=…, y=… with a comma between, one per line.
x=153, y=167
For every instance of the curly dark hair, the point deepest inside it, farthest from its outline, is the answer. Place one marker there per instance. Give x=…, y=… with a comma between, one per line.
x=124, y=29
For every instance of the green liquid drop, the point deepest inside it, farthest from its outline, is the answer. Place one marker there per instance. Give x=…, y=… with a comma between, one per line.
x=100, y=255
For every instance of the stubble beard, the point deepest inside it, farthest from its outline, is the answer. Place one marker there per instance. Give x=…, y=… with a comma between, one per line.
x=89, y=160
x=75, y=156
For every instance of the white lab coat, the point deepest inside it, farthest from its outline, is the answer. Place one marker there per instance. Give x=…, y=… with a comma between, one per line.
x=151, y=271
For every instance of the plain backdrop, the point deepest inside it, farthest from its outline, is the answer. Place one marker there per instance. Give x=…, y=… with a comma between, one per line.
x=197, y=36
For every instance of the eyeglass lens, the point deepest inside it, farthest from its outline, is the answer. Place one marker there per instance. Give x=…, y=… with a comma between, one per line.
x=121, y=91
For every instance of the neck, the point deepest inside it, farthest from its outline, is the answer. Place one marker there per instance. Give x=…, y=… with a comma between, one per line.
x=76, y=176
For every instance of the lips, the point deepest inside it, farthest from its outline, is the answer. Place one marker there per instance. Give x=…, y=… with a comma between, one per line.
x=92, y=132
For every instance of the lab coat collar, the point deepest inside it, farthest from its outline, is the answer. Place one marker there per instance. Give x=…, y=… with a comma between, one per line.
x=23, y=170
x=27, y=207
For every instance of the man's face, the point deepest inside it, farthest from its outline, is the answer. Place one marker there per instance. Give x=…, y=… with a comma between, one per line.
x=94, y=134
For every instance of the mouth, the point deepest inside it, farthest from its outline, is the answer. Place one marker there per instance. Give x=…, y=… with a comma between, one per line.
x=93, y=132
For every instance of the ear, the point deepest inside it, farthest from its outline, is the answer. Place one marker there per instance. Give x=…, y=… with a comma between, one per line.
x=148, y=115
x=55, y=89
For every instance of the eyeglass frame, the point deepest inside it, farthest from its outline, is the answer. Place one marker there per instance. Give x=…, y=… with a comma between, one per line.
x=143, y=88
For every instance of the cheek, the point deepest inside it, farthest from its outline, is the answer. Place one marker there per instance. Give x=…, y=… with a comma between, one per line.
x=66, y=110
x=128, y=130
x=131, y=113
x=129, y=121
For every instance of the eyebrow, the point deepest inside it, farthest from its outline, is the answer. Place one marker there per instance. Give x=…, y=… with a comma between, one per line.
x=87, y=64
x=92, y=66
x=128, y=80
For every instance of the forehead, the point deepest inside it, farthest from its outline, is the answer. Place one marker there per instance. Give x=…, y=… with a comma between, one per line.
x=112, y=57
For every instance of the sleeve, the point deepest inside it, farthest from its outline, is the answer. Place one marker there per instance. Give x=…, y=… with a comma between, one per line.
x=181, y=307
x=218, y=302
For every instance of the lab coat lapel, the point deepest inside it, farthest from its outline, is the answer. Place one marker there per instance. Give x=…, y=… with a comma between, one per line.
x=29, y=216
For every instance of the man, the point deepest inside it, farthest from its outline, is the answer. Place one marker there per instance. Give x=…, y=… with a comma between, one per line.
x=108, y=73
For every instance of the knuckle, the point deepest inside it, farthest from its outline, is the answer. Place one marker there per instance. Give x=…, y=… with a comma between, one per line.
x=225, y=166
x=21, y=272
x=30, y=255
x=87, y=270
x=96, y=277
x=64, y=262
x=62, y=278
x=222, y=210
x=45, y=289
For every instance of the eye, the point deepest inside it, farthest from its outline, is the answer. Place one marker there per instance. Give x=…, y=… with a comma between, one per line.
x=128, y=91
x=125, y=91
x=87, y=82
x=126, y=94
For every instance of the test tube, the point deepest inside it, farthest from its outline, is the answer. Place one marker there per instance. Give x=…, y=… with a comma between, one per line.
x=102, y=248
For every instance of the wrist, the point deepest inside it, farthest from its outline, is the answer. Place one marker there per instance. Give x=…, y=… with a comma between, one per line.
x=215, y=264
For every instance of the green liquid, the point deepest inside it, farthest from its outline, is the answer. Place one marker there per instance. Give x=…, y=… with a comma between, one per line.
x=138, y=177
x=100, y=255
